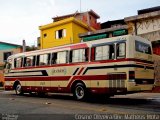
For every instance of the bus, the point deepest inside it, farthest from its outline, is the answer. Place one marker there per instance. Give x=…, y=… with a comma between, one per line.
x=108, y=66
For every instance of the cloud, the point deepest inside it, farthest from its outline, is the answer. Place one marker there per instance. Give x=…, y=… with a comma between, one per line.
x=19, y=19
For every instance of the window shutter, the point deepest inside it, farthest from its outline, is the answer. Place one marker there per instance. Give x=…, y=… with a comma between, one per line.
x=64, y=32
x=57, y=35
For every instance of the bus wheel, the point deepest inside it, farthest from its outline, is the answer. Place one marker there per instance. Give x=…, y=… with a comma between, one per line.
x=79, y=91
x=18, y=89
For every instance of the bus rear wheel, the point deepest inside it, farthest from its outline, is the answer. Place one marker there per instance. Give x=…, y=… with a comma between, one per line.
x=18, y=89
x=79, y=92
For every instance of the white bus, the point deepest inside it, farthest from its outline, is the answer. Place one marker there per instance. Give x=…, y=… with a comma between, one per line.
x=107, y=66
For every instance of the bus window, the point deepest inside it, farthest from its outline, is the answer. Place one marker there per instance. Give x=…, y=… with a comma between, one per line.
x=79, y=55
x=121, y=48
x=43, y=59
x=62, y=57
x=142, y=47
x=29, y=61
x=18, y=62
x=54, y=58
x=104, y=52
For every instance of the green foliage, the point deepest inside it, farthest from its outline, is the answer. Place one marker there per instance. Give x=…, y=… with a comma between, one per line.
x=31, y=48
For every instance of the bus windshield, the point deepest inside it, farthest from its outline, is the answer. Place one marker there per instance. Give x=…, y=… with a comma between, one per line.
x=142, y=47
x=7, y=67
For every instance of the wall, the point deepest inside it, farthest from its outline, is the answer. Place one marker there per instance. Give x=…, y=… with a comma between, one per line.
x=149, y=28
x=16, y=50
x=1, y=78
x=51, y=41
x=156, y=59
x=76, y=31
x=73, y=28
x=6, y=48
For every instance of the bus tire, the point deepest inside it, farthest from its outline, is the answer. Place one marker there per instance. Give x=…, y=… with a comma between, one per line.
x=79, y=92
x=18, y=89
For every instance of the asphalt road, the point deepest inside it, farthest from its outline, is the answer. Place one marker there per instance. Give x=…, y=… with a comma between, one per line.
x=61, y=105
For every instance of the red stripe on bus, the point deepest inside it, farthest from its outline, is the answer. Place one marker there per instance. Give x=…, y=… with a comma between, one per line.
x=97, y=77
x=84, y=45
x=81, y=70
x=66, y=78
x=94, y=90
x=41, y=78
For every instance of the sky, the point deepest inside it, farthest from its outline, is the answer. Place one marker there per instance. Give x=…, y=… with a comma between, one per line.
x=20, y=19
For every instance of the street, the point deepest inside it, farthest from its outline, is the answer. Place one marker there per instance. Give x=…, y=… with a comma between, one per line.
x=139, y=103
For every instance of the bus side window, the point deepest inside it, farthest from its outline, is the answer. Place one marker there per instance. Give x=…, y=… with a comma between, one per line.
x=121, y=48
x=86, y=54
x=48, y=58
x=34, y=61
x=70, y=56
x=15, y=62
x=54, y=58
x=105, y=52
x=111, y=51
x=18, y=62
x=24, y=63
x=43, y=59
x=30, y=61
x=37, y=61
x=79, y=55
x=62, y=57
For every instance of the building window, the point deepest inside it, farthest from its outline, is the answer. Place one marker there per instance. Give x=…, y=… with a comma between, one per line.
x=45, y=35
x=6, y=55
x=60, y=33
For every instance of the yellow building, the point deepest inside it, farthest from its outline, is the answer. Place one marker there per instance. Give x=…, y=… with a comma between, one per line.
x=65, y=30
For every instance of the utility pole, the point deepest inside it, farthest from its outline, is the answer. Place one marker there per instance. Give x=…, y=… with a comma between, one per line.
x=24, y=46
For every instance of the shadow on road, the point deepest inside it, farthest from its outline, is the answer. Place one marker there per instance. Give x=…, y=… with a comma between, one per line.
x=96, y=99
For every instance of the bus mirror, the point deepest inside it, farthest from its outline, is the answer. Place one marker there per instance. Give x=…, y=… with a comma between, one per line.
x=7, y=67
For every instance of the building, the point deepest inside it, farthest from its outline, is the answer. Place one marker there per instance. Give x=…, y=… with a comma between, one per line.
x=7, y=49
x=109, y=29
x=113, y=24
x=65, y=29
x=89, y=18
x=146, y=24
